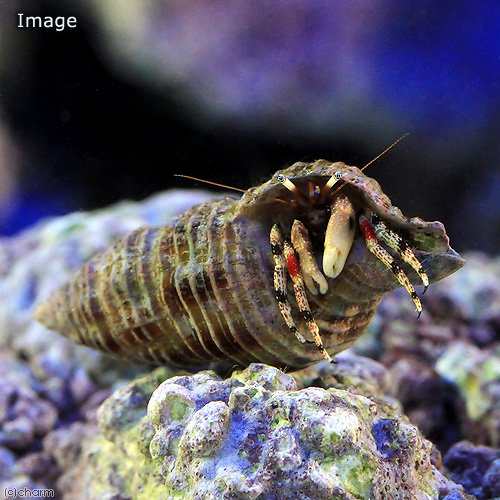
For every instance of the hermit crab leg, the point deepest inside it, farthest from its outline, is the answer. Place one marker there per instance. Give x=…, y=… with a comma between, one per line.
x=280, y=281
x=399, y=245
x=376, y=249
x=284, y=255
x=301, y=297
x=310, y=271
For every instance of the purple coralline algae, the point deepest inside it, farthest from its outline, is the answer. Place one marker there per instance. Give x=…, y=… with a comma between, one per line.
x=477, y=468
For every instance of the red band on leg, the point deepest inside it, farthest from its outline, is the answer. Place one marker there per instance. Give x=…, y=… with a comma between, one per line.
x=367, y=229
x=292, y=265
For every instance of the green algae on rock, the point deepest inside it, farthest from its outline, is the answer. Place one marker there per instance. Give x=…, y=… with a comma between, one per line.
x=360, y=374
x=476, y=374
x=253, y=435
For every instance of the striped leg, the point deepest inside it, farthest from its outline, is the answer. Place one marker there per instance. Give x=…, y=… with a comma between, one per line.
x=400, y=246
x=376, y=249
x=280, y=281
x=301, y=297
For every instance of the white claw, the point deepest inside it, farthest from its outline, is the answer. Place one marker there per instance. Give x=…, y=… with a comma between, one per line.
x=310, y=279
x=332, y=262
x=339, y=236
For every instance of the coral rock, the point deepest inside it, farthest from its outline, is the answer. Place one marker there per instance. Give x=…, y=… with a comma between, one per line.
x=254, y=435
x=477, y=468
x=445, y=367
x=476, y=374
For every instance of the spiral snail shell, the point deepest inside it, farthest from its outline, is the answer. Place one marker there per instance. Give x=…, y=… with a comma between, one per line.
x=200, y=292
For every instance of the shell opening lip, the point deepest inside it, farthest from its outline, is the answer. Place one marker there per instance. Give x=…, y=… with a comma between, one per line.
x=273, y=200
x=353, y=185
x=441, y=264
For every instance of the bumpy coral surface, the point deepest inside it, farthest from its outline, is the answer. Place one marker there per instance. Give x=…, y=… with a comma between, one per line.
x=254, y=435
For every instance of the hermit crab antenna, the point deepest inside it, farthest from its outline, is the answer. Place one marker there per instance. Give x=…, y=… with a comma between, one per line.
x=209, y=182
x=386, y=150
x=338, y=175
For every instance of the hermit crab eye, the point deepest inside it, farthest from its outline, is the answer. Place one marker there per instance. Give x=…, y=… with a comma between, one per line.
x=338, y=175
x=280, y=178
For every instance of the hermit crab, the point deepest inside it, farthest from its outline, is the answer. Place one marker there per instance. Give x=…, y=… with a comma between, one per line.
x=289, y=274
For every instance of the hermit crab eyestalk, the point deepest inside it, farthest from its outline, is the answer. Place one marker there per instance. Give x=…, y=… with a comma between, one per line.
x=333, y=180
x=329, y=184
x=287, y=183
x=298, y=196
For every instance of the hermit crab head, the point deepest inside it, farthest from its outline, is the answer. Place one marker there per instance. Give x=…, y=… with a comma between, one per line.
x=344, y=228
